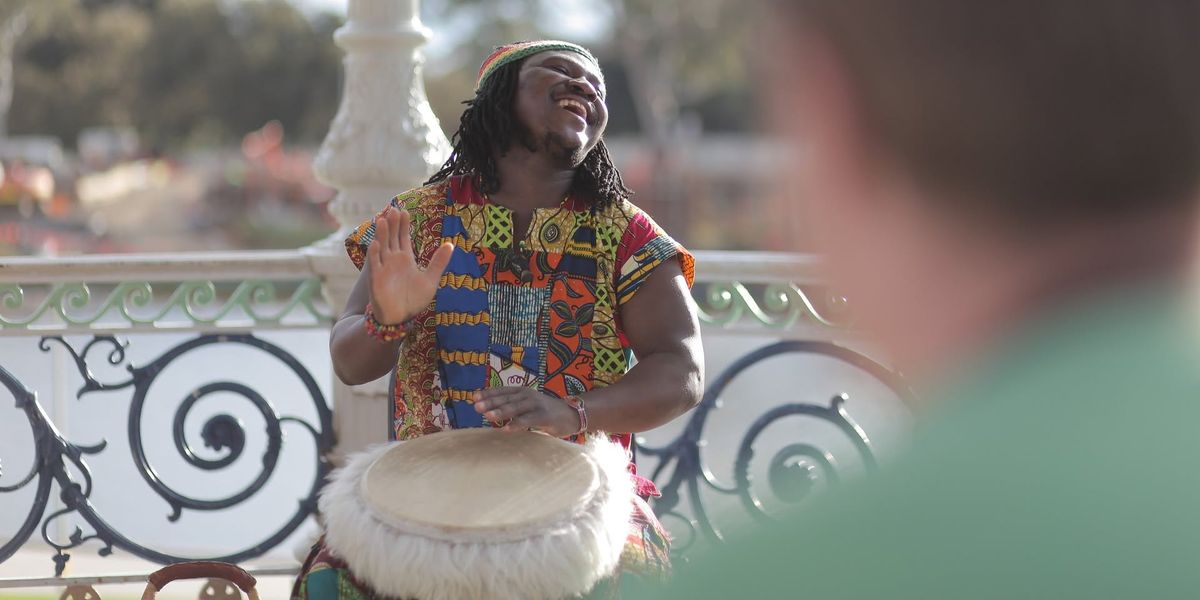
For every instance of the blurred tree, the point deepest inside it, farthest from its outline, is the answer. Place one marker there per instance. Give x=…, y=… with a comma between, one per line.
x=286, y=65
x=94, y=4
x=202, y=72
x=182, y=72
x=216, y=73
x=676, y=55
x=680, y=53
x=12, y=24
x=71, y=67
x=187, y=75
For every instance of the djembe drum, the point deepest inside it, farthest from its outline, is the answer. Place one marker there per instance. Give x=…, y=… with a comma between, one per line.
x=479, y=513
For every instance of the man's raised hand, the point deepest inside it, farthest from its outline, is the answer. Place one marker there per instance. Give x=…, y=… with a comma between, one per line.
x=399, y=287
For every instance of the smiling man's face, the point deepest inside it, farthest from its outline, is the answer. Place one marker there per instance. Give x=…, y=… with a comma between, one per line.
x=560, y=105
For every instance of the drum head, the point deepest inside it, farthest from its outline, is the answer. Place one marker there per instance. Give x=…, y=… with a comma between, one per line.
x=479, y=480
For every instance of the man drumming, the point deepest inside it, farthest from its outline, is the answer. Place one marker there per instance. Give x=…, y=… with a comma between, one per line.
x=515, y=287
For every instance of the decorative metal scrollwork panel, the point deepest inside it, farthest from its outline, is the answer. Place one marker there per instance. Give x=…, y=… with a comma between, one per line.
x=24, y=484
x=222, y=448
x=763, y=463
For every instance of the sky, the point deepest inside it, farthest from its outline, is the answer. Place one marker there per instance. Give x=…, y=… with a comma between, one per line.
x=578, y=20
x=334, y=6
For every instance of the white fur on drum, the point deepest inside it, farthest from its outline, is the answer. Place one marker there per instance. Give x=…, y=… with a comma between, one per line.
x=566, y=559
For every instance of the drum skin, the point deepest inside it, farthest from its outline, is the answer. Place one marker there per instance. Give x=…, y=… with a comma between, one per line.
x=480, y=513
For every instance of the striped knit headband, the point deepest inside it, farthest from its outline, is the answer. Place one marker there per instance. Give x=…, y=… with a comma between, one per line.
x=513, y=52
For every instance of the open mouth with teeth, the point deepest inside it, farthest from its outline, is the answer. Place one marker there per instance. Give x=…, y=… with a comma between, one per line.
x=574, y=106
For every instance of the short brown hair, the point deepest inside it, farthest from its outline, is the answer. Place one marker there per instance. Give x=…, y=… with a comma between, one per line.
x=1035, y=110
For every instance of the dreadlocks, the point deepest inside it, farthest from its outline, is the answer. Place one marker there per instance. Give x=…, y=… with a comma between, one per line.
x=488, y=125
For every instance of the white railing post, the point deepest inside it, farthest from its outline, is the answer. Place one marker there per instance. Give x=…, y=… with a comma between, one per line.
x=385, y=139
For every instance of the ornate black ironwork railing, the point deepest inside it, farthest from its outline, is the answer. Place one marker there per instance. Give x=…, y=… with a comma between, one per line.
x=793, y=471
x=58, y=461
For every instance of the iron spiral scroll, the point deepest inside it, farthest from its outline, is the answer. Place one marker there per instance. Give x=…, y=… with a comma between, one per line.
x=681, y=472
x=59, y=461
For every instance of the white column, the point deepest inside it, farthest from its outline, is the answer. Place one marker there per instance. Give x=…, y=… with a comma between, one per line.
x=384, y=140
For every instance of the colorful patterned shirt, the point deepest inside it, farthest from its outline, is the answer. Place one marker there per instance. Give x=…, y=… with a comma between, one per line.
x=541, y=311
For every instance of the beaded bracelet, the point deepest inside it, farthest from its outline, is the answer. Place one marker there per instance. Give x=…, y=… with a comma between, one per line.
x=576, y=403
x=381, y=332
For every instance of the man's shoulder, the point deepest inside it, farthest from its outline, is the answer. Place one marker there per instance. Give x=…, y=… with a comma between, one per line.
x=425, y=200
x=622, y=213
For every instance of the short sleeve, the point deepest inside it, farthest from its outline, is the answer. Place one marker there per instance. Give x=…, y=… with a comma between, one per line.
x=644, y=246
x=422, y=205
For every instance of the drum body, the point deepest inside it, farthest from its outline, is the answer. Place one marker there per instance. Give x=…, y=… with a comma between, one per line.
x=480, y=513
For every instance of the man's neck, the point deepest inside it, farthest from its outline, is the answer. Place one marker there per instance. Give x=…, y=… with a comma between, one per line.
x=530, y=180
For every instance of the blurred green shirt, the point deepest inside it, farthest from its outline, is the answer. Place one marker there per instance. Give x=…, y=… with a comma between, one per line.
x=1068, y=466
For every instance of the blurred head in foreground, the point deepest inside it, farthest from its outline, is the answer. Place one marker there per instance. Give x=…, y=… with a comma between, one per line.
x=1007, y=193
x=965, y=165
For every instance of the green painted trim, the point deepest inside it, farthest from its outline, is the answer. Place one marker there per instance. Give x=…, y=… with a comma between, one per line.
x=780, y=307
x=135, y=303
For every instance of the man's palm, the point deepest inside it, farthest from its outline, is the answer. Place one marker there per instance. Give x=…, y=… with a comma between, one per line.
x=399, y=288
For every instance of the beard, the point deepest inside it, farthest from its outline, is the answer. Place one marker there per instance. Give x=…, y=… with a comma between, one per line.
x=563, y=150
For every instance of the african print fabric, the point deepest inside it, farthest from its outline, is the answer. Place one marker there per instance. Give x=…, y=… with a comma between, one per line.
x=540, y=311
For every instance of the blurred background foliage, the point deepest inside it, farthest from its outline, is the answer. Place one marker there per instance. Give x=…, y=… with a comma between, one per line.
x=231, y=98
x=180, y=72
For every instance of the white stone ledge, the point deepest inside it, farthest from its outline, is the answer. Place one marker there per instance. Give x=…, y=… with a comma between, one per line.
x=274, y=265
